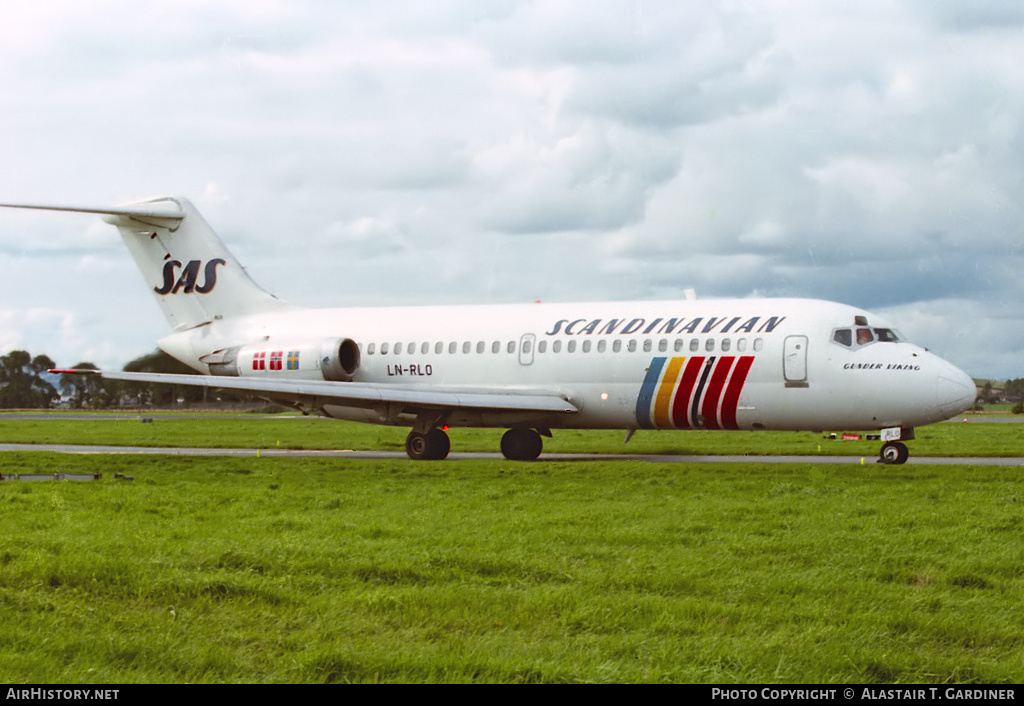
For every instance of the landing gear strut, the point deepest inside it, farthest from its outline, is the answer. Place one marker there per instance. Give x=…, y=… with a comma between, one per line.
x=521, y=444
x=894, y=452
x=432, y=446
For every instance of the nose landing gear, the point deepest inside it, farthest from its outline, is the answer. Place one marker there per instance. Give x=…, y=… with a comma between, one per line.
x=894, y=452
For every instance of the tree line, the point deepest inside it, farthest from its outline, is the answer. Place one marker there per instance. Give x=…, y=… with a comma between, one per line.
x=1012, y=391
x=25, y=384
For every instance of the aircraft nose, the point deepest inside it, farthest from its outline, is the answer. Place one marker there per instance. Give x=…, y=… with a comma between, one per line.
x=954, y=391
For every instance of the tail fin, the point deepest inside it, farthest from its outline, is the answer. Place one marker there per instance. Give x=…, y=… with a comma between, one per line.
x=192, y=275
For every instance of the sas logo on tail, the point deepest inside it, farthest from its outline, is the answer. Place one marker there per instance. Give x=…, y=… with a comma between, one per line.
x=187, y=280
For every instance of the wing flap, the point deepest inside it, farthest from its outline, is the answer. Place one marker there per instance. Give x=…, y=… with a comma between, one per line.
x=363, y=394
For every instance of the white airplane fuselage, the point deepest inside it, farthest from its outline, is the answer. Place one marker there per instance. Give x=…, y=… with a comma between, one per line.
x=713, y=364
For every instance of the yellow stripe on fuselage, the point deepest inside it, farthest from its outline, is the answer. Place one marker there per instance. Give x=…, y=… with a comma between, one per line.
x=663, y=402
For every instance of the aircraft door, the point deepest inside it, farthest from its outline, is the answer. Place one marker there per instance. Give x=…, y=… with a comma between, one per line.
x=526, y=346
x=794, y=361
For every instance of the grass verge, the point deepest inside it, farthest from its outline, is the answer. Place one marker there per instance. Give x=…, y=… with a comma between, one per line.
x=314, y=570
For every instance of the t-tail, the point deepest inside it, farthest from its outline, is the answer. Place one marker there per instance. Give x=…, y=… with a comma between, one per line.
x=193, y=277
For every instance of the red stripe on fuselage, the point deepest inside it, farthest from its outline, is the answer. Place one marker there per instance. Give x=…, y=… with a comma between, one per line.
x=709, y=407
x=732, y=393
x=681, y=405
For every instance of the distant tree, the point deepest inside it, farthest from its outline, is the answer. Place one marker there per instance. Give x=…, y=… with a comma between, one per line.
x=22, y=384
x=89, y=391
x=156, y=393
x=986, y=395
x=1013, y=390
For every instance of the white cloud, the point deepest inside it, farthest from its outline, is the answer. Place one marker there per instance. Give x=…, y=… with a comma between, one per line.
x=507, y=151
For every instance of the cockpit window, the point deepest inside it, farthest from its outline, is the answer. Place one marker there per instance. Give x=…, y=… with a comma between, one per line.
x=843, y=337
x=859, y=336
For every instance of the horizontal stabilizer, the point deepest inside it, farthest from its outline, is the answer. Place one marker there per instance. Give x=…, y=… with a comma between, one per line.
x=162, y=209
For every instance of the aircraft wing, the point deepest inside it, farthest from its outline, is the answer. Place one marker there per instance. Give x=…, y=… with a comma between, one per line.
x=364, y=394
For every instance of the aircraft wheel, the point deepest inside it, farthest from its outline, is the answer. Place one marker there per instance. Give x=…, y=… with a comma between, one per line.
x=521, y=444
x=432, y=446
x=894, y=452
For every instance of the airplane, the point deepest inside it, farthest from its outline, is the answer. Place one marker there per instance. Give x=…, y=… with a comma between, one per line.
x=730, y=364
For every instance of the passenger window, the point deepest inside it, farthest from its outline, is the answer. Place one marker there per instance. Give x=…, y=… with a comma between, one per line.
x=370, y=348
x=467, y=347
x=586, y=346
x=571, y=347
x=511, y=346
x=758, y=344
x=383, y=349
x=602, y=346
x=438, y=348
x=694, y=345
x=411, y=348
x=556, y=346
x=741, y=345
x=662, y=345
x=631, y=345
x=648, y=345
x=616, y=345
x=496, y=347
x=542, y=347
x=453, y=347
x=709, y=345
x=398, y=349
x=425, y=348
x=726, y=345
x=678, y=345
x=480, y=346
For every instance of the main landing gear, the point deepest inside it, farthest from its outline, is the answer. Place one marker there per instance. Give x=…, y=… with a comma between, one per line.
x=519, y=444
x=432, y=446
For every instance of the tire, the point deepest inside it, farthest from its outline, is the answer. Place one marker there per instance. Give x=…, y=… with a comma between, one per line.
x=894, y=453
x=432, y=446
x=439, y=444
x=521, y=444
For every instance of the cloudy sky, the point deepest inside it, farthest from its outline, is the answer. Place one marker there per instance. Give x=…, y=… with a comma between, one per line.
x=448, y=151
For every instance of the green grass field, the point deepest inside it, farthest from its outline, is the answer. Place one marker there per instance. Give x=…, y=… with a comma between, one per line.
x=297, y=432
x=318, y=570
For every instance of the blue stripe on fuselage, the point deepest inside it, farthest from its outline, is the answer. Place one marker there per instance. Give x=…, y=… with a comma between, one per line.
x=646, y=397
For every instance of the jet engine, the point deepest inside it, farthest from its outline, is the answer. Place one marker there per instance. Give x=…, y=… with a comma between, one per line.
x=335, y=359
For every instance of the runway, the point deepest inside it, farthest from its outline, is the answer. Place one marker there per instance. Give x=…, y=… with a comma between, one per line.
x=344, y=454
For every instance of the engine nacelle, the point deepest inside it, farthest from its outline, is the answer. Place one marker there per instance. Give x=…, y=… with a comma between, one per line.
x=335, y=359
